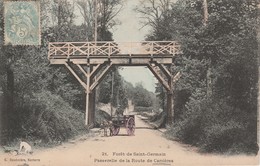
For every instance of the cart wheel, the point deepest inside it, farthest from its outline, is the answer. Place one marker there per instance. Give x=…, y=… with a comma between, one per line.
x=116, y=130
x=130, y=126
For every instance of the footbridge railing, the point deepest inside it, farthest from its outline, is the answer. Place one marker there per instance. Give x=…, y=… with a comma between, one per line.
x=104, y=48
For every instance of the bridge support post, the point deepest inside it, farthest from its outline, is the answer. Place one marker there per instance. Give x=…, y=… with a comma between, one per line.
x=170, y=104
x=91, y=109
x=87, y=114
x=90, y=99
x=87, y=109
x=170, y=111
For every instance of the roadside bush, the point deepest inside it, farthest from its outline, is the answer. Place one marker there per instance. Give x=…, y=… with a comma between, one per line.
x=189, y=127
x=215, y=127
x=159, y=119
x=49, y=118
x=220, y=137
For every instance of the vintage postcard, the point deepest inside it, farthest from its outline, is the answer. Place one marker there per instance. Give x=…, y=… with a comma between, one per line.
x=129, y=82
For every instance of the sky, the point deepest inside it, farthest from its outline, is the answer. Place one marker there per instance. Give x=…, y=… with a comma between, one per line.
x=129, y=31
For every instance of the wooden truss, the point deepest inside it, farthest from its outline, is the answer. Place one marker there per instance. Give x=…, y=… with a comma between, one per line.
x=90, y=62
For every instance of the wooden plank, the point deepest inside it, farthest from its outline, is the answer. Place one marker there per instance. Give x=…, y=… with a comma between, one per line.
x=130, y=64
x=83, y=71
x=164, y=70
x=79, y=61
x=96, y=70
x=115, y=59
x=140, y=61
x=58, y=61
x=120, y=61
x=163, y=60
x=76, y=76
x=176, y=77
x=97, y=60
x=159, y=77
x=100, y=78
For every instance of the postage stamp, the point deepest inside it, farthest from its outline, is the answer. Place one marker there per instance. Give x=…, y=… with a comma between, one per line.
x=22, y=22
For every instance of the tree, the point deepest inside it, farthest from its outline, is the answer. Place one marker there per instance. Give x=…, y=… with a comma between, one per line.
x=105, y=11
x=108, y=10
x=228, y=44
x=142, y=96
x=156, y=15
x=87, y=10
x=63, y=15
x=27, y=75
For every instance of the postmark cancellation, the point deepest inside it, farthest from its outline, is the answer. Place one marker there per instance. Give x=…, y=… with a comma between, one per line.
x=22, y=22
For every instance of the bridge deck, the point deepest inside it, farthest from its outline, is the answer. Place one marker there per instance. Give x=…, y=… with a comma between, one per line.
x=124, y=53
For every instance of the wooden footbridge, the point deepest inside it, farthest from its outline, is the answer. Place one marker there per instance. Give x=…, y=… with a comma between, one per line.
x=89, y=62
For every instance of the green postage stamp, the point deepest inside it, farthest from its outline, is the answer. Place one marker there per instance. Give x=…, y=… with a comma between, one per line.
x=22, y=22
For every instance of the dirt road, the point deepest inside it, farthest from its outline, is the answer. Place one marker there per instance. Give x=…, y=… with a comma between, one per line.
x=147, y=147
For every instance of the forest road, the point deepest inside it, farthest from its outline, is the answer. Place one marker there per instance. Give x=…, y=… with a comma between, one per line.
x=148, y=147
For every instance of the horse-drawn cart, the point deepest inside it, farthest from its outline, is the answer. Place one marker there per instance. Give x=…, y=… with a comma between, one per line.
x=127, y=121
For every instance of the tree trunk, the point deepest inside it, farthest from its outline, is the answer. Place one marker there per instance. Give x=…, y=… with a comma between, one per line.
x=209, y=81
x=205, y=12
x=209, y=71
